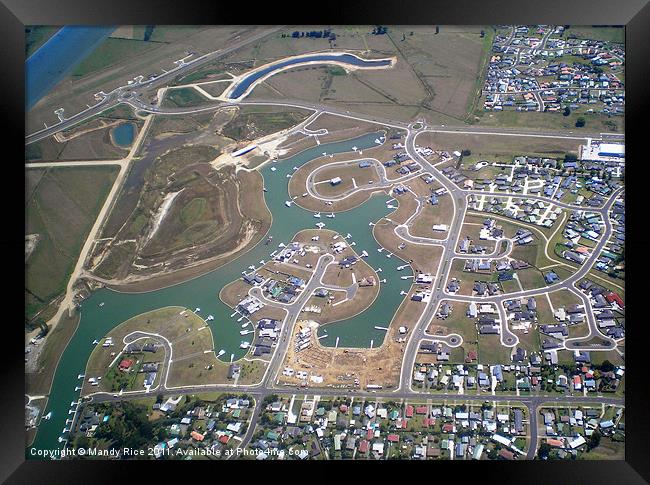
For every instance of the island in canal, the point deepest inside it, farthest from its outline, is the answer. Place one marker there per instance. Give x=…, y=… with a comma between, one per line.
x=313, y=245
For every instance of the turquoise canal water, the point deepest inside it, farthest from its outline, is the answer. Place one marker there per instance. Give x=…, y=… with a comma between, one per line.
x=203, y=292
x=123, y=134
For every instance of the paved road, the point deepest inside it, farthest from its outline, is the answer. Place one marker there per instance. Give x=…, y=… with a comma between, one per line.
x=129, y=92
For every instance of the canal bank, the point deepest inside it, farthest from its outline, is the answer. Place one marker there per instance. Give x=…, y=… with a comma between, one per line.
x=202, y=292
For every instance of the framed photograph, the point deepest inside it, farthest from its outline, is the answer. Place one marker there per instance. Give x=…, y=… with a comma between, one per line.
x=380, y=237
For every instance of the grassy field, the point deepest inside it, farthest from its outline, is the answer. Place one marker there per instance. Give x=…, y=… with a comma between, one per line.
x=110, y=52
x=255, y=122
x=61, y=207
x=549, y=120
x=608, y=34
x=183, y=98
x=490, y=350
x=491, y=147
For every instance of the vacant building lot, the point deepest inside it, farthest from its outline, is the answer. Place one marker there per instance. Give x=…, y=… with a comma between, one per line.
x=501, y=147
x=61, y=206
x=254, y=122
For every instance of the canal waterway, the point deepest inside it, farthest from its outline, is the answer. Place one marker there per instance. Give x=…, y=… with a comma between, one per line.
x=202, y=292
x=246, y=82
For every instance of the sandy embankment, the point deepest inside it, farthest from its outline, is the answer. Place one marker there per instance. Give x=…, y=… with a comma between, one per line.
x=160, y=215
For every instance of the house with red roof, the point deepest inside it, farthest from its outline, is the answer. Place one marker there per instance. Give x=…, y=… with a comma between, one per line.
x=370, y=434
x=363, y=446
x=343, y=408
x=448, y=428
x=126, y=364
x=224, y=438
x=421, y=410
x=613, y=297
x=409, y=411
x=197, y=436
x=393, y=438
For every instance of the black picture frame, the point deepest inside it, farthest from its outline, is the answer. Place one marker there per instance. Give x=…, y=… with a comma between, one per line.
x=635, y=15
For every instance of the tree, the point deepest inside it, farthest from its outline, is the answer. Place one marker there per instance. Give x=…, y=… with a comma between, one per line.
x=594, y=441
x=567, y=111
x=466, y=152
x=580, y=122
x=606, y=366
x=544, y=450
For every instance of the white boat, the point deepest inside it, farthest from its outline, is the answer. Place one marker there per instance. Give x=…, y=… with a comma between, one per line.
x=48, y=416
x=389, y=255
x=295, y=168
x=331, y=216
x=244, y=344
x=353, y=243
x=406, y=277
x=251, y=267
x=265, y=189
x=403, y=293
x=262, y=262
x=379, y=270
x=354, y=149
x=317, y=215
x=95, y=342
x=240, y=318
x=197, y=309
x=348, y=236
x=320, y=225
x=221, y=352
x=288, y=203
x=61, y=440
x=81, y=376
x=73, y=403
x=245, y=324
x=364, y=254
x=210, y=318
x=246, y=332
x=377, y=141
x=273, y=169
x=101, y=304
x=383, y=281
x=77, y=388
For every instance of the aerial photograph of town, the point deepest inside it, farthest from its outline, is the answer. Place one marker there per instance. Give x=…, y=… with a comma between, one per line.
x=325, y=242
